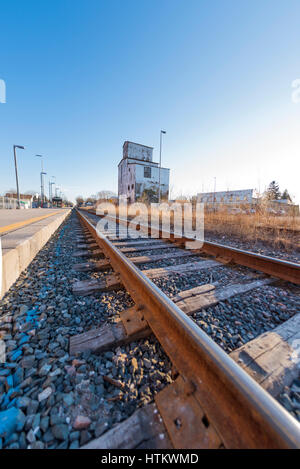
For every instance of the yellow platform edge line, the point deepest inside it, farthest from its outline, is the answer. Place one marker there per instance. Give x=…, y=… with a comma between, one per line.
x=8, y=228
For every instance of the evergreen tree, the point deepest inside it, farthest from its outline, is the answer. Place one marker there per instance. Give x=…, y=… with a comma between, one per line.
x=273, y=192
x=286, y=196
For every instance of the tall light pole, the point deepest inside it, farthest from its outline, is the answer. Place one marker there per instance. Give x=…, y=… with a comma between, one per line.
x=54, y=182
x=50, y=190
x=42, y=189
x=160, y=148
x=16, y=169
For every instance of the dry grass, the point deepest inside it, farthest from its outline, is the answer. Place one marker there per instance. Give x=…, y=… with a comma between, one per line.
x=279, y=232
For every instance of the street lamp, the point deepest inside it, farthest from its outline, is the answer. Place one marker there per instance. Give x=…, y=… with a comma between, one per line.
x=50, y=190
x=54, y=182
x=16, y=169
x=42, y=186
x=161, y=133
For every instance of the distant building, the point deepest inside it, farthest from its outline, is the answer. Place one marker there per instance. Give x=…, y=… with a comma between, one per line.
x=139, y=175
x=247, y=198
x=228, y=197
x=25, y=199
x=284, y=207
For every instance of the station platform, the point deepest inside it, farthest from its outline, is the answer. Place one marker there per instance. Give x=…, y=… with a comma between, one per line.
x=23, y=233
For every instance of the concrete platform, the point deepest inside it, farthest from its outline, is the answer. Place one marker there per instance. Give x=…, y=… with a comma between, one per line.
x=21, y=245
x=10, y=218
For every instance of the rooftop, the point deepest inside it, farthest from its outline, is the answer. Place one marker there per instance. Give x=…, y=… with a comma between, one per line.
x=134, y=143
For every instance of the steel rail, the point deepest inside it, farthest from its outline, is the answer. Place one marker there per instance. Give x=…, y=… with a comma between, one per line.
x=285, y=270
x=243, y=414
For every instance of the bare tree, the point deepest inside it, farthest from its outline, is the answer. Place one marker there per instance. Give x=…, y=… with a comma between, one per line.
x=105, y=194
x=79, y=200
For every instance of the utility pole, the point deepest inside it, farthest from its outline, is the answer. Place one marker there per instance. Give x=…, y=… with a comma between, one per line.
x=51, y=191
x=42, y=188
x=16, y=170
x=42, y=183
x=54, y=182
x=160, y=148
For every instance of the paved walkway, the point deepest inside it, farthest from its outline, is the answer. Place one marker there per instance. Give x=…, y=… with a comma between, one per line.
x=22, y=234
x=14, y=219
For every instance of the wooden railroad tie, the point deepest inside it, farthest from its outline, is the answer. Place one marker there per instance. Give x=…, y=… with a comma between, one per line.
x=90, y=287
x=143, y=430
x=89, y=246
x=273, y=358
x=86, y=253
x=151, y=247
x=138, y=242
x=132, y=325
x=93, y=286
x=180, y=269
x=105, y=264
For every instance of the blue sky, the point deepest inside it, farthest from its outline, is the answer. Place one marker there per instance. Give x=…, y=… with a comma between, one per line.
x=83, y=76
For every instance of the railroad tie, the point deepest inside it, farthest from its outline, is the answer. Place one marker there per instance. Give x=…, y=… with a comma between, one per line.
x=180, y=269
x=90, y=287
x=132, y=326
x=272, y=359
x=125, y=250
x=87, y=253
x=92, y=266
x=90, y=246
x=144, y=429
x=105, y=264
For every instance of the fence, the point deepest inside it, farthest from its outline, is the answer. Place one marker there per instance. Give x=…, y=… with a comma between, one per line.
x=8, y=202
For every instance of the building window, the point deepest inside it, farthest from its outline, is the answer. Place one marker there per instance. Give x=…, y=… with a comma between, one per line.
x=147, y=172
x=138, y=188
x=132, y=186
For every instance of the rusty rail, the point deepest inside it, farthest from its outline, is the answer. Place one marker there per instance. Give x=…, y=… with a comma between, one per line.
x=231, y=403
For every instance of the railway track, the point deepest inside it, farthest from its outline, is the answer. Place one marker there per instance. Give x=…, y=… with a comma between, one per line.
x=212, y=402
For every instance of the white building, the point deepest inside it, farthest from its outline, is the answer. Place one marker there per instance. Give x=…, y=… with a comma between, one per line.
x=227, y=197
x=139, y=175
